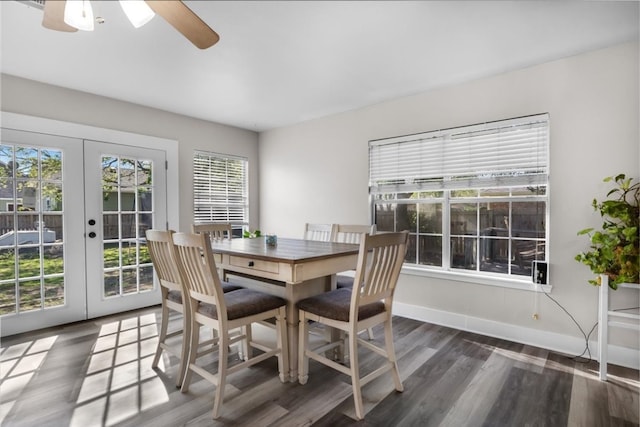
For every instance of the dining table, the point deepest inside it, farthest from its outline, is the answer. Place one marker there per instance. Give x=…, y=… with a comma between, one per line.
x=292, y=269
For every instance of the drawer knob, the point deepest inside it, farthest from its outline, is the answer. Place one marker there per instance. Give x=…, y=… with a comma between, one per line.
x=251, y=264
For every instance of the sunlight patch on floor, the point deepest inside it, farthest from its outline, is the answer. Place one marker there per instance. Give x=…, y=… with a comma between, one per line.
x=120, y=382
x=18, y=364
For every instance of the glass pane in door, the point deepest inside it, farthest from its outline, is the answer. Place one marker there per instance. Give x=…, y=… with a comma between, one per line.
x=32, y=274
x=127, y=213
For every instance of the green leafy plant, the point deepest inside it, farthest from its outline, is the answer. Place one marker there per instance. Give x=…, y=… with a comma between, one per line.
x=251, y=234
x=614, y=249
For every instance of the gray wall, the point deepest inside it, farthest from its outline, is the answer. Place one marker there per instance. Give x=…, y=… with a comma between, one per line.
x=317, y=171
x=52, y=102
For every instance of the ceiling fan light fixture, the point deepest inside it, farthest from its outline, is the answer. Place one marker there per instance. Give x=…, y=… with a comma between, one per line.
x=79, y=14
x=138, y=12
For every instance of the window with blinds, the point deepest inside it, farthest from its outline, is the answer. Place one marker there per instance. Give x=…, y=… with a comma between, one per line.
x=220, y=189
x=474, y=198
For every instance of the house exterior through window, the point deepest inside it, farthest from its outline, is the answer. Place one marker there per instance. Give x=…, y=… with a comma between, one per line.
x=474, y=198
x=220, y=190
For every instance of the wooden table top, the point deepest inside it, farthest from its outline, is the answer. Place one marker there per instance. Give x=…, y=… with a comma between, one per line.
x=291, y=251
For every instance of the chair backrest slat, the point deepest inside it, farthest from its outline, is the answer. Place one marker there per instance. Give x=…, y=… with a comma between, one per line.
x=161, y=251
x=352, y=233
x=214, y=231
x=379, y=263
x=198, y=269
x=321, y=232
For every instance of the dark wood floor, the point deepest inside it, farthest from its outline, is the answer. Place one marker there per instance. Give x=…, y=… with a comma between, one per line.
x=97, y=373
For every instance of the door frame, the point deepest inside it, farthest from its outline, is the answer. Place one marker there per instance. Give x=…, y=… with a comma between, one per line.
x=84, y=132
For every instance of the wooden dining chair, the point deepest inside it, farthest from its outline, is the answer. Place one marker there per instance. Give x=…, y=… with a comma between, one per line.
x=230, y=314
x=163, y=258
x=321, y=232
x=351, y=233
x=215, y=231
x=160, y=244
x=353, y=310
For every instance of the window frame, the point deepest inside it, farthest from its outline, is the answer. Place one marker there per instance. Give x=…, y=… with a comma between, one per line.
x=446, y=270
x=210, y=203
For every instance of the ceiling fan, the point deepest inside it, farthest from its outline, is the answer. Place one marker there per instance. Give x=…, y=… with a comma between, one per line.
x=71, y=15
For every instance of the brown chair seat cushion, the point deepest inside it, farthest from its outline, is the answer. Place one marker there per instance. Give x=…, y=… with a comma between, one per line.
x=176, y=296
x=228, y=287
x=336, y=304
x=344, y=281
x=243, y=303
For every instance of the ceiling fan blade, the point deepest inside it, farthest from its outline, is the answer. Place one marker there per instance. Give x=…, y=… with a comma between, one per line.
x=184, y=20
x=53, y=18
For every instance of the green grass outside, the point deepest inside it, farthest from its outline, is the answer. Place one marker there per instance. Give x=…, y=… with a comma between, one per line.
x=53, y=269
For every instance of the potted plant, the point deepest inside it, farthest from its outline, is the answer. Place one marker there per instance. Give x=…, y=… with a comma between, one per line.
x=248, y=234
x=614, y=249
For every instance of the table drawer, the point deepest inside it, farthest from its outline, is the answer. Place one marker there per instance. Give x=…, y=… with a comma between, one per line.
x=255, y=264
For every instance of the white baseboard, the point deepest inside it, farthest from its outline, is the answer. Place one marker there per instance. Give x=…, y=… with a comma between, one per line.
x=566, y=344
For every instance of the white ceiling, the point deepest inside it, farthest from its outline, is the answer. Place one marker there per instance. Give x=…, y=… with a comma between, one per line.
x=280, y=63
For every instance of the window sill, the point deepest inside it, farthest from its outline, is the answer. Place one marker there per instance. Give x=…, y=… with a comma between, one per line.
x=523, y=285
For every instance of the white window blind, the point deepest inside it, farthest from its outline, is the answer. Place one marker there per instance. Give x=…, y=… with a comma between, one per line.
x=220, y=189
x=503, y=153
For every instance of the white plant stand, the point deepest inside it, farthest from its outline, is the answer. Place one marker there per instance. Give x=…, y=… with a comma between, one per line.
x=611, y=318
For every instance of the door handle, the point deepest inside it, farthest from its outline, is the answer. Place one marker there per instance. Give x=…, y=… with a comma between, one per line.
x=92, y=234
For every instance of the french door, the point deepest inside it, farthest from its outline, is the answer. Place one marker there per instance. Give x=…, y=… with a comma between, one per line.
x=124, y=196
x=72, y=219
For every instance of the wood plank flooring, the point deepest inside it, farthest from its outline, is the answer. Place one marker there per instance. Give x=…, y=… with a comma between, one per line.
x=98, y=373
